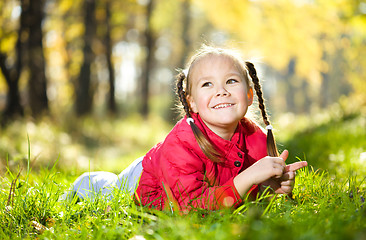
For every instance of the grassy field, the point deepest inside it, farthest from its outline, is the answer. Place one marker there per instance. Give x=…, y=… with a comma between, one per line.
x=40, y=161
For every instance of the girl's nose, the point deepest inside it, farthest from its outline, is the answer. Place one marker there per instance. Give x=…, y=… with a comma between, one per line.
x=222, y=92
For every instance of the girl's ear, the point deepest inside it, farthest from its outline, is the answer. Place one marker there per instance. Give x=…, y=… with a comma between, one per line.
x=250, y=96
x=192, y=104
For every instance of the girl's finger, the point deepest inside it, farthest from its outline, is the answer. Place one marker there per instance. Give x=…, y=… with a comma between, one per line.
x=278, y=170
x=288, y=176
x=284, y=155
x=286, y=189
x=280, y=161
x=289, y=183
x=296, y=166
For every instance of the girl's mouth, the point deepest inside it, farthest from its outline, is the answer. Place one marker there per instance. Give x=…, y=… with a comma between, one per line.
x=223, y=105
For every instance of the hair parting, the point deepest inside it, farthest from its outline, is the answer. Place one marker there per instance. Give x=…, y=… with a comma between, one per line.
x=205, y=145
x=271, y=143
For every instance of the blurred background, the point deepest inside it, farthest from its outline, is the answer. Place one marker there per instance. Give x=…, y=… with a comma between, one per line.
x=89, y=84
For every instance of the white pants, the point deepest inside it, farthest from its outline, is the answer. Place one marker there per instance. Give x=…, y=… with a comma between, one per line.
x=91, y=184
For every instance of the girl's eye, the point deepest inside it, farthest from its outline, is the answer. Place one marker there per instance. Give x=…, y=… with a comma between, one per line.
x=207, y=84
x=231, y=81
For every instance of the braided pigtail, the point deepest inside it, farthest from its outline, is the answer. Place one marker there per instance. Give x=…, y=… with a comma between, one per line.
x=271, y=143
x=205, y=145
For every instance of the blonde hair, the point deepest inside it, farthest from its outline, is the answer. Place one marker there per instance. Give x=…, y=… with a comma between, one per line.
x=247, y=70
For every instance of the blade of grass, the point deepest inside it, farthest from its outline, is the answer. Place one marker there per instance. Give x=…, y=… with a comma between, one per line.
x=28, y=160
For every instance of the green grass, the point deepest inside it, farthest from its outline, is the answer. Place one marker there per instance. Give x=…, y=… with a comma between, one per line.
x=80, y=144
x=328, y=199
x=321, y=208
x=337, y=145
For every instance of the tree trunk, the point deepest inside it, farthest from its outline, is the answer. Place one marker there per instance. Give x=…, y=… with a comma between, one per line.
x=108, y=43
x=37, y=84
x=290, y=93
x=324, y=87
x=84, y=92
x=307, y=100
x=186, y=10
x=13, y=107
x=150, y=42
x=186, y=48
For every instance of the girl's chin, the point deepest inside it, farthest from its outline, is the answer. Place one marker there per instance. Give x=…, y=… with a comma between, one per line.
x=226, y=123
x=223, y=120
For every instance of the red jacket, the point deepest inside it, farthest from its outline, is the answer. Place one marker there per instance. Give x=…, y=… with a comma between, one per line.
x=176, y=173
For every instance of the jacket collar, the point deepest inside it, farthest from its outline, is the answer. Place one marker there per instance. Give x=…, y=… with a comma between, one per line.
x=223, y=146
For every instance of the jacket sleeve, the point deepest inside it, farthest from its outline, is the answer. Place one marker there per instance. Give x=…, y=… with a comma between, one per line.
x=183, y=176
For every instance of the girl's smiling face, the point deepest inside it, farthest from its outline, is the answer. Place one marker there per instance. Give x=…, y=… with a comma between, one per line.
x=219, y=93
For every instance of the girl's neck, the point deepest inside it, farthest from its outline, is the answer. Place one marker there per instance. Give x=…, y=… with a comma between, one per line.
x=223, y=132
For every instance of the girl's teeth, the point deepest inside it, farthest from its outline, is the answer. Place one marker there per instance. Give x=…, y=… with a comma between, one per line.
x=223, y=105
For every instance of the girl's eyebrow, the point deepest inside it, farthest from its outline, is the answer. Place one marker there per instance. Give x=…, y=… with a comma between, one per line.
x=209, y=77
x=205, y=78
x=233, y=74
x=230, y=74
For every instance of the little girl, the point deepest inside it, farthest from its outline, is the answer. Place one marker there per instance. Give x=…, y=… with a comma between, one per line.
x=213, y=157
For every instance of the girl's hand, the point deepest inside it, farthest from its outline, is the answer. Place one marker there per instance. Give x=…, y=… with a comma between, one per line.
x=285, y=184
x=264, y=169
x=269, y=171
x=269, y=167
